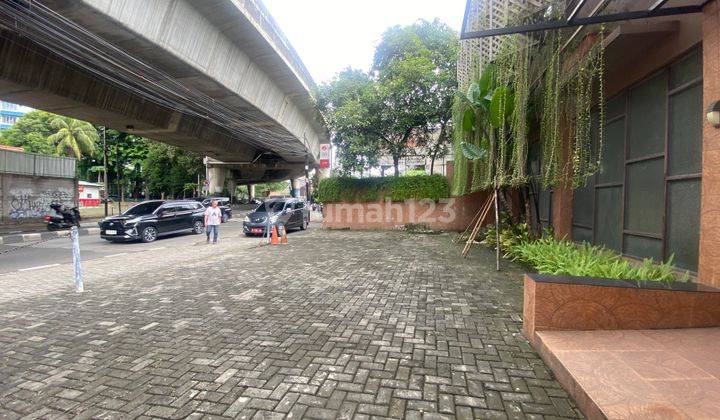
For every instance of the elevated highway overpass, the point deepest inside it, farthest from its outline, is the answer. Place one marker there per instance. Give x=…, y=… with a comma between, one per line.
x=216, y=77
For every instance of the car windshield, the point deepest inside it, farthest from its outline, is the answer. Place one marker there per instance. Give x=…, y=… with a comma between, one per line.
x=274, y=206
x=142, y=208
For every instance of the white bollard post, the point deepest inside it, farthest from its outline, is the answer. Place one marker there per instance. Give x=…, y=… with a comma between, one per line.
x=74, y=236
x=267, y=228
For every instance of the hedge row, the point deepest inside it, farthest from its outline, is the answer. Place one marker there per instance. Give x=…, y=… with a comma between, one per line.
x=346, y=189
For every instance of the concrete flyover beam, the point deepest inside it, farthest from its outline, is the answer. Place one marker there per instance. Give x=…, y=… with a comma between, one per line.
x=216, y=77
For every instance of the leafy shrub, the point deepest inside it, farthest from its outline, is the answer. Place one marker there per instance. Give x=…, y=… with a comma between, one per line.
x=413, y=172
x=548, y=256
x=511, y=235
x=347, y=189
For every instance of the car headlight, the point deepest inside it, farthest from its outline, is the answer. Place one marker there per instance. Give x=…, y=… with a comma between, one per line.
x=132, y=221
x=247, y=219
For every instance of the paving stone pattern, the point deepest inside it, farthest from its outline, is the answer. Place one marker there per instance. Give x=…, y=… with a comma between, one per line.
x=334, y=325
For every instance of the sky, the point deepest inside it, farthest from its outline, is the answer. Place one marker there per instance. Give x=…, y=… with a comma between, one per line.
x=330, y=35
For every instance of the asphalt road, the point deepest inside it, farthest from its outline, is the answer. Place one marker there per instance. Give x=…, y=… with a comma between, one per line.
x=36, y=255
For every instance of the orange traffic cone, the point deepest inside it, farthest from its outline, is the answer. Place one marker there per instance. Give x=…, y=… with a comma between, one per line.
x=274, y=239
x=283, y=238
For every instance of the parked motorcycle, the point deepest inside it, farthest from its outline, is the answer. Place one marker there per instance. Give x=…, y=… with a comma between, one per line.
x=64, y=217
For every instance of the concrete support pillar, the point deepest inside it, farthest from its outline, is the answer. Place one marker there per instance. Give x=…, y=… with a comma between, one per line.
x=232, y=185
x=295, y=187
x=216, y=178
x=709, y=258
x=250, y=191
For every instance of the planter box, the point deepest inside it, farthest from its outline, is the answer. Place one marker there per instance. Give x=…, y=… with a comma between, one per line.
x=580, y=303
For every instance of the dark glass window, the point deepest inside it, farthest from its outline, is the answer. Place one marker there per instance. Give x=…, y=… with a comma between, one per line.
x=686, y=70
x=685, y=135
x=613, y=156
x=643, y=247
x=647, y=110
x=609, y=217
x=683, y=222
x=581, y=234
x=143, y=208
x=647, y=191
x=644, y=202
x=615, y=107
x=583, y=203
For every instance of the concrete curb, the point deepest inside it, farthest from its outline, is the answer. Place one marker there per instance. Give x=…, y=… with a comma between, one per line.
x=39, y=236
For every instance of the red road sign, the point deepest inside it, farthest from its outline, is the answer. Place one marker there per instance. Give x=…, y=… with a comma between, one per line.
x=324, y=156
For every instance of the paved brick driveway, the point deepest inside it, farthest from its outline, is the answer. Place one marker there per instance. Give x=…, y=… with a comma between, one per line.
x=334, y=325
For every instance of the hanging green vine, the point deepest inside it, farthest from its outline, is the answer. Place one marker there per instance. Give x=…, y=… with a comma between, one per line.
x=571, y=87
x=563, y=83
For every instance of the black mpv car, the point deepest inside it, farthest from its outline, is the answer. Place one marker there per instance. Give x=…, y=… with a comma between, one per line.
x=151, y=219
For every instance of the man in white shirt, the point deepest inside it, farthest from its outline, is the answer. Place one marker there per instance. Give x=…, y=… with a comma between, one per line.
x=213, y=216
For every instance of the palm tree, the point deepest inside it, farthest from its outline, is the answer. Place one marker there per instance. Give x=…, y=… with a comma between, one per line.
x=73, y=136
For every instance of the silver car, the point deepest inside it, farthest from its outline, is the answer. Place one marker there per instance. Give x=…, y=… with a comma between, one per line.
x=289, y=212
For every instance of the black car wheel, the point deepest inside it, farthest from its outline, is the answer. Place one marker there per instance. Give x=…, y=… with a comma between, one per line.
x=149, y=234
x=304, y=224
x=198, y=227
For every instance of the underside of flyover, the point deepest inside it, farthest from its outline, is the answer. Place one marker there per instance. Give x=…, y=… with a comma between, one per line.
x=215, y=77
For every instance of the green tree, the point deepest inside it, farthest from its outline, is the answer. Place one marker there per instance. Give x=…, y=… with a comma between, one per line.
x=273, y=187
x=73, y=137
x=406, y=95
x=125, y=155
x=168, y=170
x=344, y=102
x=422, y=58
x=31, y=132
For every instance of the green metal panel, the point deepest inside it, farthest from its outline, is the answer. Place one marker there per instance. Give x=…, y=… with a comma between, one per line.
x=683, y=222
x=583, y=202
x=647, y=117
x=641, y=247
x=687, y=70
x=615, y=107
x=645, y=196
x=685, y=135
x=581, y=234
x=609, y=217
x=613, y=157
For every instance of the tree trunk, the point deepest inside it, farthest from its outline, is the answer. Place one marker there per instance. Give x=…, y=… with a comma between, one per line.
x=396, y=164
x=432, y=163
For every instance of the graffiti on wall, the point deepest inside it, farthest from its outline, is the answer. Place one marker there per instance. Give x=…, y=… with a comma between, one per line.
x=26, y=203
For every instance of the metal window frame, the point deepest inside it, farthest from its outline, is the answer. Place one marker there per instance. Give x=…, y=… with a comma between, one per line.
x=667, y=178
x=656, y=10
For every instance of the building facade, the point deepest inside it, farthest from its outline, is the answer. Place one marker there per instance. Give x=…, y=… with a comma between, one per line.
x=656, y=193
x=10, y=113
x=89, y=193
x=488, y=14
